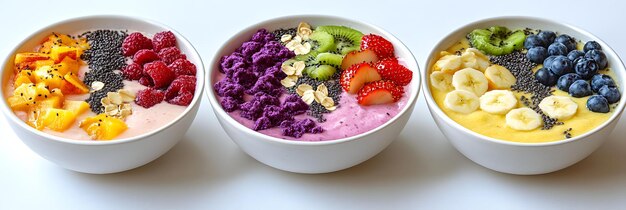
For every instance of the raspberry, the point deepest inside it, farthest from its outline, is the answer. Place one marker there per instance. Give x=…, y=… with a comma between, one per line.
x=145, y=56
x=135, y=42
x=163, y=39
x=183, y=67
x=149, y=97
x=182, y=84
x=146, y=81
x=183, y=99
x=170, y=54
x=161, y=75
x=132, y=71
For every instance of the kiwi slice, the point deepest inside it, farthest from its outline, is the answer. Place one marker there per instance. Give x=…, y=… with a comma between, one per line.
x=322, y=41
x=322, y=72
x=329, y=59
x=497, y=40
x=346, y=39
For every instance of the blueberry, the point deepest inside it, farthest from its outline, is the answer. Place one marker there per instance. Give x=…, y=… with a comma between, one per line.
x=561, y=65
x=597, y=103
x=533, y=41
x=611, y=94
x=599, y=57
x=592, y=45
x=580, y=88
x=557, y=49
x=537, y=54
x=566, y=81
x=548, y=61
x=566, y=40
x=586, y=68
x=599, y=80
x=547, y=37
x=546, y=77
x=575, y=54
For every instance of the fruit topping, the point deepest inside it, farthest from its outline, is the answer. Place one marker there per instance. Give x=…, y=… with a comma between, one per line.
x=103, y=127
x=353, y=78
x=181, y=90
x=558, y=107
x=524, y=119
x=132, y=71
x=497, y=40
x=470, y=80
x=498, y=101
x=183, y=67
x=379, y=92
x=170, y=54
x=382, y=47
x=390, y=69
x=160, y=74
x=580, y=88
x=499, y=77
x=356, y=57
x=162, y=40
x=149, y=97
x=145, y=56
x=346, y=39
x=598, y=103
x=135, y=42
x=461, y=101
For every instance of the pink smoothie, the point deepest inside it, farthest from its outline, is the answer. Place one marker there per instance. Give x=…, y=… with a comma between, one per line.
x=349, y=119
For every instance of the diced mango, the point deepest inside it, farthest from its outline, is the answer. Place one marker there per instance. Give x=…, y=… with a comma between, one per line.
x=48, y=76
x=41, y=63
x=23, y=97
x=78, y=107
x=50, y=102
x=58, y=119
x=34, y=118
x=27, y=73
x=73, y=79
x=66, y=66
x=57, y=53
x=30, y=57
x=103, y=127
x=22, y=79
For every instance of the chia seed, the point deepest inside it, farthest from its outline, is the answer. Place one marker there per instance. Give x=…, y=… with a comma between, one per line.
x=316, y=110
x=521, y=68
x=568, y=133
x=104, y=58
x=282, y=31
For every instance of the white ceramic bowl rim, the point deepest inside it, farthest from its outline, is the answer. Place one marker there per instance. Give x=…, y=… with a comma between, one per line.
x=200, y=78
x=608, y=50
x=216, y=58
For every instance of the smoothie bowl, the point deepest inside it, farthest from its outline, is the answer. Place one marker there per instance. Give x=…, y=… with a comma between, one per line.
x=313, y=94
x=102, y=94
x=524, y=95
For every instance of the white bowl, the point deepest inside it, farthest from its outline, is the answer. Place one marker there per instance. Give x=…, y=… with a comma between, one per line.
x=523, y=158
x=101, y=157
x=312, y=157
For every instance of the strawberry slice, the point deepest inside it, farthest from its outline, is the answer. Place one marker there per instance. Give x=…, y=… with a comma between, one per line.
x=356, y=57
x=353, y=78
x=379, y=92
x=390, y=69
x=382, y=47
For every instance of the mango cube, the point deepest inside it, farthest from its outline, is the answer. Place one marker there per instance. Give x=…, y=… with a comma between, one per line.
x=58, y=119
x=103, y=127
x=79, y=85
x=58, y=53
x=78, y=107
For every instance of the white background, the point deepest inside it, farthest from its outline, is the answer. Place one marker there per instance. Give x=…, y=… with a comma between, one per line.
x=420, y=170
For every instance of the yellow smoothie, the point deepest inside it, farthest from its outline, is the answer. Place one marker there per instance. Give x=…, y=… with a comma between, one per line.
x=493, y=125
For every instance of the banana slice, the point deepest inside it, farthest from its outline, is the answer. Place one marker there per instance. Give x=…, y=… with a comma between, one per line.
x=448, y=63
x=558, y=107
x=499, y=77
x=441, y=81
x=523, y=119
x=498, y=101
x=471, y=80
x=473, y=58
x=461, y=101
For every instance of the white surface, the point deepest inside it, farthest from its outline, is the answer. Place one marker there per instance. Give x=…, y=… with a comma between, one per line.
x=419, y=170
